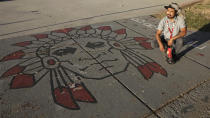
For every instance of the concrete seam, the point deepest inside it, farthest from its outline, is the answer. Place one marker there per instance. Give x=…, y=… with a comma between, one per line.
x=17, y=22
x=193, y=60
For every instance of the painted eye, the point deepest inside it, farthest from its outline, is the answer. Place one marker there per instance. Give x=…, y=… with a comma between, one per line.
x=117, y=45
x=94, y=45
x=65, y=51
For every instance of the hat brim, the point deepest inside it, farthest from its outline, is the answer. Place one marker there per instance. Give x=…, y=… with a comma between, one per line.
x=169, y=6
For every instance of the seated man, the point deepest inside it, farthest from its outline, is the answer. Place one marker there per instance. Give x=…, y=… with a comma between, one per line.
x=173, y=28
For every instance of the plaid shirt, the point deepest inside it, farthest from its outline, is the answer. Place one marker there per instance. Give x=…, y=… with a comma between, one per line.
x=166, y=25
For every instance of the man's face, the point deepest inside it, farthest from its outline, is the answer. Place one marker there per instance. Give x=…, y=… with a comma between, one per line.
x=170, y=13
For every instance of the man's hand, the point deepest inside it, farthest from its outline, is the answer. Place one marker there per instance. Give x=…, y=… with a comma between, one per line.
x=161, y=48
x=170, y=42
x=158, y=33
x=182, y=33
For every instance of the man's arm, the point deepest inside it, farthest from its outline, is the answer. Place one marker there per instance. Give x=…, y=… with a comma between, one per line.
x=158, y=33
x=182, y=33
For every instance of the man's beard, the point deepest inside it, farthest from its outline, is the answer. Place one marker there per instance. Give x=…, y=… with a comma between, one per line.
x=170, y=17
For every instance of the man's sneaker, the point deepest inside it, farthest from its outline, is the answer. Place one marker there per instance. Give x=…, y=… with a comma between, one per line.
x=170, y=60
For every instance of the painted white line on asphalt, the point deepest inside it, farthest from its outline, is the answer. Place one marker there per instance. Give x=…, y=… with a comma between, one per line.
x=196, y=46
x=143, y=22
x=201, y=48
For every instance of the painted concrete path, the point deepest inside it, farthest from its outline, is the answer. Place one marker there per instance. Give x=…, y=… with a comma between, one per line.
x=106, y=70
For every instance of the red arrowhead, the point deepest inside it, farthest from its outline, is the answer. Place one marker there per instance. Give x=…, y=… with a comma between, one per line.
x=105, y=28
x=13, y=71
x=120, y=31
x=41, y=36
x=156, y=68
x=64, y=98
x=66, y=30
x=81, y=93
x=22, y=81
x=149, y=68
x=143, y=43
x=146, y=45
x=22, y=44
x=140, y=39
x=146, y=72
x=86, y=28
x=16, y=55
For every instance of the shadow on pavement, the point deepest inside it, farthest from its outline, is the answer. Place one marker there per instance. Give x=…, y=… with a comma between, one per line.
x=195, y=39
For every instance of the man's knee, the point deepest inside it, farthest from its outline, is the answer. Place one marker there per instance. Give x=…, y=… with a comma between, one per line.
x=154, y=44
x=179, y=42
x=179, y=45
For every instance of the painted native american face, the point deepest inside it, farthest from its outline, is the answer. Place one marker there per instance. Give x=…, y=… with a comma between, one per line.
x=70, y=55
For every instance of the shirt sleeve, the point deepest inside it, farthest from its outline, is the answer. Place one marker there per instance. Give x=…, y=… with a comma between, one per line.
x=161, y=25
x=182, y=23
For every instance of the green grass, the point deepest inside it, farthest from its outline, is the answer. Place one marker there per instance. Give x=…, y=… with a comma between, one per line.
x=197, y=21
x=202, y=6
x=197, y=16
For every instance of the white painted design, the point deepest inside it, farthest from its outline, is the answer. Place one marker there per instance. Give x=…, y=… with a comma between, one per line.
x=193, y=43
x=143, y=22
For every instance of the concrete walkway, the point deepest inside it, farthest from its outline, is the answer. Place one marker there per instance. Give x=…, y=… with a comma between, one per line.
x=105, y=70
x=23, y=17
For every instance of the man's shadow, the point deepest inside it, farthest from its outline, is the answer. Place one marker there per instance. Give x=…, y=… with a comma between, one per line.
x=195, y=40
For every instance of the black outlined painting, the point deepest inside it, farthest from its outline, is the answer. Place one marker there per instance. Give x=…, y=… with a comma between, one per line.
x=68, y=56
